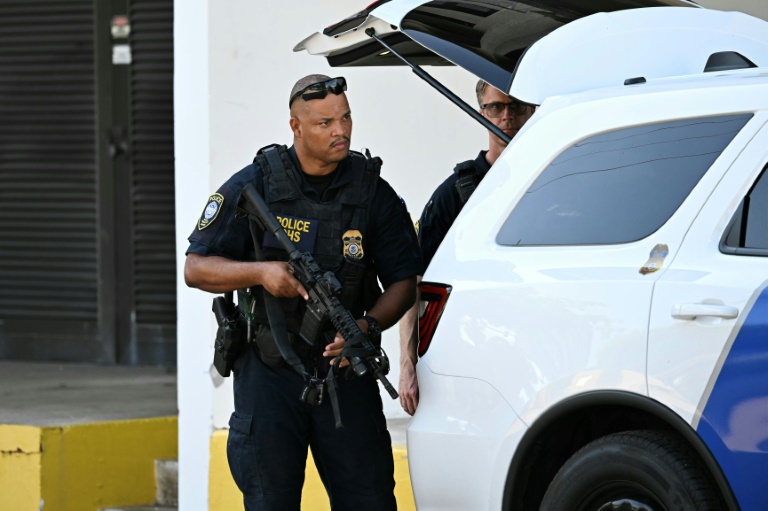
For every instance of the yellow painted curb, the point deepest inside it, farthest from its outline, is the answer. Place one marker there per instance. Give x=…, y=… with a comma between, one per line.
x=403, y=489
x=224, y=495
x=20, y=457
x=83, y=466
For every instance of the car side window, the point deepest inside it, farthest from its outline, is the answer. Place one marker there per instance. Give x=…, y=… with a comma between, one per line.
x=619, y=186
x=747, y=234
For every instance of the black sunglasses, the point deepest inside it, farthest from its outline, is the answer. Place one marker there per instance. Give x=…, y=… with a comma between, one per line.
x=494, y=110
x=321, y=89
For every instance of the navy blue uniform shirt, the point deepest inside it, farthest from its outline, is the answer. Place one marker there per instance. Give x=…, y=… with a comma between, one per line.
x=390, y=240
x=442, y=209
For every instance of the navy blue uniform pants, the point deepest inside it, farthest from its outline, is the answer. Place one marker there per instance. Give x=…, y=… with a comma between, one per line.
x=271, y=429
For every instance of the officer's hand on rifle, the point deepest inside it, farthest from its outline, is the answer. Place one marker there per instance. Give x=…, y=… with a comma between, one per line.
x=333, y=349
x=277, y=278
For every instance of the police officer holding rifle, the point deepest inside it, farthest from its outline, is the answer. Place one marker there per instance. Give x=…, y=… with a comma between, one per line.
x=308, y=304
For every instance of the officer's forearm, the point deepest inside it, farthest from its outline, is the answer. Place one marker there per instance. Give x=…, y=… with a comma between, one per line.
x=409, y=332
x=393, y=303
x=217, y=274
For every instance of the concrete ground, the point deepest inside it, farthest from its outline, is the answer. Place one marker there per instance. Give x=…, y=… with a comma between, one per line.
x=85, y=437
x=53, y=394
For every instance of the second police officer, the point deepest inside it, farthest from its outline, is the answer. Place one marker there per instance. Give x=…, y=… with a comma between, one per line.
x=443, y=208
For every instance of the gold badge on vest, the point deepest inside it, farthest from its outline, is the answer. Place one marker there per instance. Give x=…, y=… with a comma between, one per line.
x=353, y=245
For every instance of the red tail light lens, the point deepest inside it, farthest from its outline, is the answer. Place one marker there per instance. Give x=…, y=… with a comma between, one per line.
x=433, y=299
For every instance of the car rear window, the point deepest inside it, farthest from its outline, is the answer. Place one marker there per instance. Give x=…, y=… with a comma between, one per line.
x=747, y=233
x=619, y=186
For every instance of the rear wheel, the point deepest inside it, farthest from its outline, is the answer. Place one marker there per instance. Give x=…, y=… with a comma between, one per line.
x=633, y=471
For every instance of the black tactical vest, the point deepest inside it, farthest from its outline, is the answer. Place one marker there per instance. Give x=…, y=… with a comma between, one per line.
x=467, y=179
x=330, y=221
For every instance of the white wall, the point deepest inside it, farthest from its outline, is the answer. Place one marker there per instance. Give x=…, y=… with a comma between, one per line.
x=234, y=70
x=418, y=133
x=757, y=8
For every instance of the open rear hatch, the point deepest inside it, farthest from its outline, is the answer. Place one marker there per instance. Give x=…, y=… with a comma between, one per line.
x=487, y=38
x=524, y=47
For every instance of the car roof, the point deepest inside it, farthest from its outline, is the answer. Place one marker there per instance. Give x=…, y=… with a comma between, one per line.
x=622, y=48
x=715, y=83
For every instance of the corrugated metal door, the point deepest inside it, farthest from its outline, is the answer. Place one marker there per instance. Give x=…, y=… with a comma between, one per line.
x=152, y=324
x=49, y=245
x=87, y=264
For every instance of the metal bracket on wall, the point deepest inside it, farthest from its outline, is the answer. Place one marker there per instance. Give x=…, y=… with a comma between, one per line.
x=118, y=141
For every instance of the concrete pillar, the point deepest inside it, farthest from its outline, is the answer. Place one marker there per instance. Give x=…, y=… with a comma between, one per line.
x=193, y=135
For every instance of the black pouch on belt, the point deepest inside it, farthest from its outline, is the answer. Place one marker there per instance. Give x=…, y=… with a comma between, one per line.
x=268, y=350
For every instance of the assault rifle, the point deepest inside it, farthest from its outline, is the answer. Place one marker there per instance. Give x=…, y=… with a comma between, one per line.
x=323, y=307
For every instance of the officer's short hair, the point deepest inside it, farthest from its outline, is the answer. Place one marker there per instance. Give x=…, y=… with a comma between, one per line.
x=307, y=81
x=480, y=91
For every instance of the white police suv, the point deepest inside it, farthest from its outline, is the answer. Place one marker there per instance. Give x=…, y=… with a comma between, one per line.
x=595, y=335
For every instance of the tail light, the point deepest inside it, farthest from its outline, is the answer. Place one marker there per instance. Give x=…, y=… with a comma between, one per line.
x=433, y=299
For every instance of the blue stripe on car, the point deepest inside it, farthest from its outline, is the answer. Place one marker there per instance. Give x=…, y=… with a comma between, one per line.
x=734, y=424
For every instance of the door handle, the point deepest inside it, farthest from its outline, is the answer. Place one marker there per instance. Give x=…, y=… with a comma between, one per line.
x=697, y=310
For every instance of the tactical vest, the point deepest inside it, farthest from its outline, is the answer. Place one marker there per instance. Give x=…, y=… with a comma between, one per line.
x=348, y=211
x=467, y=179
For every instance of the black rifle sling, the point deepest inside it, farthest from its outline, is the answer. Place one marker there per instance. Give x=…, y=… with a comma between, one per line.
x=331, y=379
x=276, y=316
x=279, y=328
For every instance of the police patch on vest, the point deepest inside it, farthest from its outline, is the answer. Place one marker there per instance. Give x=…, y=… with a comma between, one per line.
x=301, y=231
x=211, y=211
x=353, y=245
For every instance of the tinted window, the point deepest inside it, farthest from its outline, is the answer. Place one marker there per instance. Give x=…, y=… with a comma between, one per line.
x=748, y=231
x=620, y=186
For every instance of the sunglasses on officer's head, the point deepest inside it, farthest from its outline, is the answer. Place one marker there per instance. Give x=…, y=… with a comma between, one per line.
x=321, y=89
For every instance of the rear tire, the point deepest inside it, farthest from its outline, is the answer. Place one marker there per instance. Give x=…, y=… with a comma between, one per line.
x=633, y=471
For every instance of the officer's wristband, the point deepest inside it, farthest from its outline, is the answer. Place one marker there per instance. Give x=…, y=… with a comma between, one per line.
x=374, y=329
